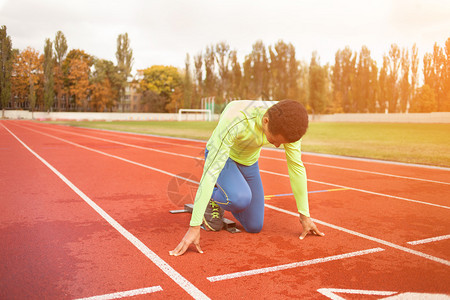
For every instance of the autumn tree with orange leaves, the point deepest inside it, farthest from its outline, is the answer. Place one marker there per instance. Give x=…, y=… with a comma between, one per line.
x=77, y=67
x=105, y=86
x=354, y=84
x=79, y=82
x=27, y=70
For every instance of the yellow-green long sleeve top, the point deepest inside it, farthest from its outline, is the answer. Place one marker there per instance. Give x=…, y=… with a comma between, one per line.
x=239, y=136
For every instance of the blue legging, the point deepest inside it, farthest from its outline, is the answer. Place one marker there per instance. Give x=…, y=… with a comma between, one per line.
x=239, y=190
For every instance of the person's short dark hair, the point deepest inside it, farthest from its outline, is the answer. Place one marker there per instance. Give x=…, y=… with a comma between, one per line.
x=289, y=119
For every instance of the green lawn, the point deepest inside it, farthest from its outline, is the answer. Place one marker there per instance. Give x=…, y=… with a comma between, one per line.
x=195, y=130
x=413, y=143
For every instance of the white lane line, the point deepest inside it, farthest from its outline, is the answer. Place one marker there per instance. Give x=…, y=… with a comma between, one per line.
x=379, y=173
x=368, y=237
x=127, y=145
x=115, y=133
x=445, y=262
x=370, y=160
x=130, y=136
x=113, y=156
x=364, y=171
x=124, y=294
x=159, y=262
x=430, y=240
x=361, y=190
x=330, y=293
x=292, y=265
x=377, y=161
x=262, y=171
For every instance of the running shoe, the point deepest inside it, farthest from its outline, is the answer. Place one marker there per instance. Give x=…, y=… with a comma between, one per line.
x=213, y=218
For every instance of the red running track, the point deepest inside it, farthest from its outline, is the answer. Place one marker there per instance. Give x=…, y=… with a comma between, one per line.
x=85, y=213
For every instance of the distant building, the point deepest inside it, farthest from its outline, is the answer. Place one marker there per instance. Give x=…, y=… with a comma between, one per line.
x=133, y=97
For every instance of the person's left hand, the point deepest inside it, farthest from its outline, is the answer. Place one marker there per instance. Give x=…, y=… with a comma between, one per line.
x=308, y=227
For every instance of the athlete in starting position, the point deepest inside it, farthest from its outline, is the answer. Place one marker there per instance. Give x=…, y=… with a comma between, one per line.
x=231, y=180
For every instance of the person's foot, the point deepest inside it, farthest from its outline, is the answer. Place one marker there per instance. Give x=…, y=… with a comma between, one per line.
x=213, y=218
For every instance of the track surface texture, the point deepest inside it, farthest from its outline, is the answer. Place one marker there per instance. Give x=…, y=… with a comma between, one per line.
x=85, y=214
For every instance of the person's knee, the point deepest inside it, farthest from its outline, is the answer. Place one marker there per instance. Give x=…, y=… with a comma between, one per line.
x=254, y=227
x=241, y=199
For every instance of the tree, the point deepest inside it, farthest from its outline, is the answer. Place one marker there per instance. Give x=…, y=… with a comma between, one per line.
x=198, y=78
x=256, y=78
x=337, y=81
x=79, y=82
x=210, y=77
x=374, y=88
x=414, y=71
x=187, y=84
x=343, y=79
x=303, y=84
x=428, y=70
x=235, y=77
x=32, y=96
x=383, y=84
x=447, y=76
x=439, y=65
x=102, y=95
x=77, y=65
x=279, y=70
x=158, y=85
x=392, y=78
x=105, y=85
x=175, y=101
x=60, y=45
x=405, y=88
x=222, y=55
x=362, y=81
x=124, y=56
x=424, y=100
x=49, y=93
x=247, y=79
x=293, y=74
x=77, y=54
x=317, y=85
x=27, y=67
x=6, y=64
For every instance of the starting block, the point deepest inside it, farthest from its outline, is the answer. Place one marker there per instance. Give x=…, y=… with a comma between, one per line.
x=228, y=225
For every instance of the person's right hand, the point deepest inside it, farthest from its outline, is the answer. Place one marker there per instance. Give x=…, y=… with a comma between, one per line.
x=308, y=227
x=191, y=236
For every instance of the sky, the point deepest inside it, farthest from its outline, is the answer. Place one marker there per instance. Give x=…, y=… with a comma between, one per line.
x=162, y=32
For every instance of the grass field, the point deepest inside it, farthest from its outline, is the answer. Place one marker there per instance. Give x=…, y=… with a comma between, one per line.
x=412, y=143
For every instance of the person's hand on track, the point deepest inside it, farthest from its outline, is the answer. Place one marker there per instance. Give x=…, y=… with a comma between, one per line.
x=308, y=227
x=191, y=236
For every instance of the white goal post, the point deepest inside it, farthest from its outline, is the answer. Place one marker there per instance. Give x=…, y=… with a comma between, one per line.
x=188, y=110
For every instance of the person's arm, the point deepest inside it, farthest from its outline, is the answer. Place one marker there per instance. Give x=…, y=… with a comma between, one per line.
x=298, y=179
x=219, y=148
x=297, y=176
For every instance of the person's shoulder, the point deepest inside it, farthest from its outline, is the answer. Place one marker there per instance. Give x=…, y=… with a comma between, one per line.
x=233, y=109
x=294, y=145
